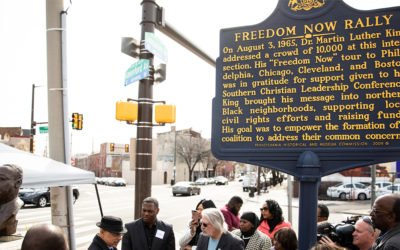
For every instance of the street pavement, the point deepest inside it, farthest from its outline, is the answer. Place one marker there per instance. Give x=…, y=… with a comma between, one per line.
x=119, y=201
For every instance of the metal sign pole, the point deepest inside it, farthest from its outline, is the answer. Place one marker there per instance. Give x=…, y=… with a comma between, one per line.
x=308, y=166
x=145, y=113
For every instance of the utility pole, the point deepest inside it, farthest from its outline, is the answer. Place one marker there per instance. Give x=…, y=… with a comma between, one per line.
x=33, y=124
x=290, y=198
x=61, y=197
x=373, y=182
x=144, y=141
x=173, y=183
x=32, y=132
x=152, y=18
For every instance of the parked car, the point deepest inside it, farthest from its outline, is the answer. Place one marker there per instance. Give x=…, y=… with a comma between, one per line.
x=389, y=190
x=118, y=182
x=40, y=197
x=101, y=180
x=380, y=187
x=186, y=188
x=211, y=180
x=109, y=181
x=201, y=181
x=220, y=180
x=349, y=190
x=383, y=184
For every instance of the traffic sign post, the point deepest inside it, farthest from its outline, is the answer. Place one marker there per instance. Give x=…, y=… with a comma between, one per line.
x=155, y=46
x=310, y=91
x=43, y=130
x=137, y=71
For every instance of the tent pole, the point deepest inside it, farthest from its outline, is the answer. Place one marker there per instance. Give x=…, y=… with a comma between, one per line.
x=98, y=200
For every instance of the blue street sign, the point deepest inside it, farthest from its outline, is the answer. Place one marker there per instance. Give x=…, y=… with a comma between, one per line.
x=137, y=71
x=155, y=46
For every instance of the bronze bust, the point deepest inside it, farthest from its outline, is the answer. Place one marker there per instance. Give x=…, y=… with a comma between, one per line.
x=10, y=182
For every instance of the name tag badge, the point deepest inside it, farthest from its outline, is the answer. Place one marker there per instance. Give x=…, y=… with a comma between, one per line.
x=160, y=234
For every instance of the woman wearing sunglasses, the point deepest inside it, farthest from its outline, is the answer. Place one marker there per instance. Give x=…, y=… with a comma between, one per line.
x=189, y=240
x=271, y=219
x=215, y=234
x=253, y=239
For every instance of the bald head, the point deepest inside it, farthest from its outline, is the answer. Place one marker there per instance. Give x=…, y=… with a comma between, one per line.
x=45, y=237
x=11, y=180
x=386, y=212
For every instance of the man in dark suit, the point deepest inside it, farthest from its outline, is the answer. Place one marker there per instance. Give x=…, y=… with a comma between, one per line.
x=148, y=233
x=111, y=229
x=385, y=216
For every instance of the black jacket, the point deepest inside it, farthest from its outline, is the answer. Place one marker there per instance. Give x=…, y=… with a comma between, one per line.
x=98, y=244
x=227, y=242
x=135, y=238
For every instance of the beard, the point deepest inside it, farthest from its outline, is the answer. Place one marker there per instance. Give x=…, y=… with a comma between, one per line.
x=204, y=231
x=234, y=211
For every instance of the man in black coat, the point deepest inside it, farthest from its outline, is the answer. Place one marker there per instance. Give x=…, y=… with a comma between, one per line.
x=385, y=216
x=148, y=233
x=111, y=229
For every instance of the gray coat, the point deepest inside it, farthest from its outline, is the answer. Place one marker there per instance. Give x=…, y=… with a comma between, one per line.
x=258, y=241
x=391, y=240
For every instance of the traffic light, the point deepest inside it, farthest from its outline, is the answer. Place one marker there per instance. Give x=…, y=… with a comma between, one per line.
x=160, y=73
x=33, y=146
x=126, y=148
x=165, y=113
x=75, y=120
x=126, y=111
x=80, y=121
x=130, y=46
x=112, y=147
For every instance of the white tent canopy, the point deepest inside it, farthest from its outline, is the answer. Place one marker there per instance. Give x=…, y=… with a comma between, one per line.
x=44, y=172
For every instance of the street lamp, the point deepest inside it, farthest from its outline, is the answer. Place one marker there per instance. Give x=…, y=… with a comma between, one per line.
x=174, y=173
x=33, y=123
x=174, y=156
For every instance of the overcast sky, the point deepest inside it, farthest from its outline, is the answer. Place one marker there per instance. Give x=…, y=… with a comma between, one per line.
x=96, y=67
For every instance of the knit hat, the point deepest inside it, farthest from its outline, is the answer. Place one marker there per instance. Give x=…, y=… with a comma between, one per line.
x=252, y=217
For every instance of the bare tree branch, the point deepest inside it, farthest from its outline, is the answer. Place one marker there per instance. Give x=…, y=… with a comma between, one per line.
x=192, y=149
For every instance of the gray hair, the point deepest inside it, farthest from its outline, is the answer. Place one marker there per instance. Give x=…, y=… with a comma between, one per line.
x=367, y=220
x=215, y=217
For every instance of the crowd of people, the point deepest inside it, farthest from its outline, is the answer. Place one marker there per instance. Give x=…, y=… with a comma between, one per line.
x=211, y=228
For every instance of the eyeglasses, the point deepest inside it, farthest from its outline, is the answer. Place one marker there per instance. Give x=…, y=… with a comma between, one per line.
x=366, y=219
x=378, y=211
x=204, y=224
x=264, y=209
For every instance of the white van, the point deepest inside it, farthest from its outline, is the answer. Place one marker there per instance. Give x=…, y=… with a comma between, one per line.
x=249, y=180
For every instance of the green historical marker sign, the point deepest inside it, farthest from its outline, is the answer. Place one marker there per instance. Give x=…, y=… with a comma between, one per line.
x=314, y=76
x=312, y=90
